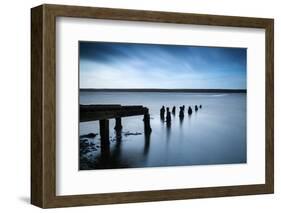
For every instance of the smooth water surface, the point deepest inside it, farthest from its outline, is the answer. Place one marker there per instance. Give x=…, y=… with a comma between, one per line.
x=215, y=134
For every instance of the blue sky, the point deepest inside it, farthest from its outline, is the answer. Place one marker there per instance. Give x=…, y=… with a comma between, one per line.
x=125, y=65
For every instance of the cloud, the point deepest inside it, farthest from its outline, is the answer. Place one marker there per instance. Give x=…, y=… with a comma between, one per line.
x=117, y=65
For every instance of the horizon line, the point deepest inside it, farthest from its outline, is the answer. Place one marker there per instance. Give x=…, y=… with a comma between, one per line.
x=163, y=90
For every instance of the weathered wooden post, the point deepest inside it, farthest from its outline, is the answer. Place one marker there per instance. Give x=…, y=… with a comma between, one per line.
x=174, y=110
x=118, y=125
x=162, y=113
x=168, y=116
x=146, y=120
x=189, y=111
x=181, y=115
x=104, y=135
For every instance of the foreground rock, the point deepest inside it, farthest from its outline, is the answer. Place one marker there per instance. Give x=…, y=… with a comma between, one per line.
x=132, y=133
x=90, y=135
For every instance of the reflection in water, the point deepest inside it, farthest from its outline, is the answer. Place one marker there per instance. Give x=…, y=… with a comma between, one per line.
x=168, y=131
x=181, y=121
x=118, y=137
x=118, y=146
x=146, y=143
x=105, y=152
x=215, y=134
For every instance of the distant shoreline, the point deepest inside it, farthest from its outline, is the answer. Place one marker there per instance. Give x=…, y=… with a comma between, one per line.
x=167, y=90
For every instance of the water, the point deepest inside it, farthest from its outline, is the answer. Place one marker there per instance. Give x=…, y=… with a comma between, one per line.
x=216, y=134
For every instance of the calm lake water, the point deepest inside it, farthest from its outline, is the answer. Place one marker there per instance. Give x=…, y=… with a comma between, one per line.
x=215, y=134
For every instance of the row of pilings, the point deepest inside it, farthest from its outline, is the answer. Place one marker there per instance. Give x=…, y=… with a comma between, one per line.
x=166, y=110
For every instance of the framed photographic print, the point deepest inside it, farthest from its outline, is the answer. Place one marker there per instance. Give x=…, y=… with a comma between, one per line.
x=135, y=106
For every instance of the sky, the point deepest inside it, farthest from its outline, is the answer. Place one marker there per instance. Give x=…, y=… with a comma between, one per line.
x=125, y=65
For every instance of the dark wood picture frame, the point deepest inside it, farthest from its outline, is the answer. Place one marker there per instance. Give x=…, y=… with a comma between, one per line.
x=43, y=105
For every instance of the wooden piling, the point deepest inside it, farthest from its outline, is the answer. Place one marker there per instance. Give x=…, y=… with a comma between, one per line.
x=162, y=113
x=168, y=116
x=181, y=114
x=118, y=124
x=189, y=111
x=174, y=110
x=146, y=120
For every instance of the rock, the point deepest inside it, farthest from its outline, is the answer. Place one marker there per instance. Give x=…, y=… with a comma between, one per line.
x=84, y=141
x=132, y=133
x=90, y=135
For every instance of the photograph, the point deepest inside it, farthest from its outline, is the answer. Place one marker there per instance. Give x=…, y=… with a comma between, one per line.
x=158, y=105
